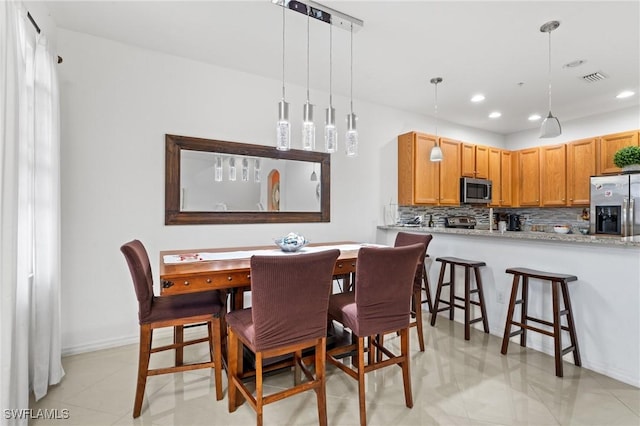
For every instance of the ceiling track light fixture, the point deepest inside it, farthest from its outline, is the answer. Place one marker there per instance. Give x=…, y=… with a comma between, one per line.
x=436, y=151
x=334, y=18
x=551, y=125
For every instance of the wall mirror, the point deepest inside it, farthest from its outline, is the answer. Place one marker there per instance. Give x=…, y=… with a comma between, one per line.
x=210, y=182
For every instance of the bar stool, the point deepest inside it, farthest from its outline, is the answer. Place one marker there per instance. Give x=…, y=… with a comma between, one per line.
x=558, y=282
x=468, y=265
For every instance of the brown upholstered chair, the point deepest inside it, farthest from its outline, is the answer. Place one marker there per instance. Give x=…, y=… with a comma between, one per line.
x=421, y=281
x=381, y=303
x=172, y=311
x=289, y=298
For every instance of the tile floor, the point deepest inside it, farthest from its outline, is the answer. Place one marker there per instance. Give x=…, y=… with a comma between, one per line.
x=455, y=382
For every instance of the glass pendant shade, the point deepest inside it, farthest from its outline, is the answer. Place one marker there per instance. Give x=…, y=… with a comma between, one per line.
x=256, y=171
x=330, y=131
x=550, y=127
x=218, y=169
x=351, y=138
x=245, y=170
x=308, y=128
x=232, y=169
x=283, y=129
x=436, y=154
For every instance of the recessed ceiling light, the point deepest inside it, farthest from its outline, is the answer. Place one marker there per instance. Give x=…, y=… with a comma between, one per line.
x=477, y=98
x=574, y=64
x=495, y=114
x=534, y=117
x=625, y=94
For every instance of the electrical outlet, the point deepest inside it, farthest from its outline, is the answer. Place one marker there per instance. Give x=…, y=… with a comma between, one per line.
x=500, y=297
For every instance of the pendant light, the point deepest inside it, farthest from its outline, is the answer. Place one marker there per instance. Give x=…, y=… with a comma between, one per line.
x=351, y=138
x=330, y=132
x=308, y=127
x=283, y=129
x=436, y=151
x=314, y=176
x=551, y=125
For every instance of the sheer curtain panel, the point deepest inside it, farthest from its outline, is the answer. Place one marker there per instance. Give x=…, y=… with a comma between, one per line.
x=30, y=342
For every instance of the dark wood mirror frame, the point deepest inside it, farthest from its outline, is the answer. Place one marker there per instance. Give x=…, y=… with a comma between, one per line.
x=174, y=216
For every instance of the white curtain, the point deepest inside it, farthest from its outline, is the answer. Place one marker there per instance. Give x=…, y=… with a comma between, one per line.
x=30, y=341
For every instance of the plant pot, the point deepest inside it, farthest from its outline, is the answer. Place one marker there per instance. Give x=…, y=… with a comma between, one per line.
x=631, y=168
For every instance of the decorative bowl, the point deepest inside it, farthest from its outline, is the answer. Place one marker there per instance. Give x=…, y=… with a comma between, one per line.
x=292, y=242
x=561, y=229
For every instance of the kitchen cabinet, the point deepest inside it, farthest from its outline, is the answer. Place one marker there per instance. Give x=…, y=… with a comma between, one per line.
x=608, y=145
x=450, y=172
x=475, y=161
x=418, y=178
x=529, y=177
x=499, y=172
x=553, y=176
x=581, y=165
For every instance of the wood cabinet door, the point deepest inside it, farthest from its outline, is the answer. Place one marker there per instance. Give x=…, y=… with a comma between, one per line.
x=495, y=176
x=450, y=172
x=482, y=162
x=506, y=181
x=553, y=175
x=529, y=177
x=426, y=172
x=468, y=164
x=609, y=144
x=581, y=165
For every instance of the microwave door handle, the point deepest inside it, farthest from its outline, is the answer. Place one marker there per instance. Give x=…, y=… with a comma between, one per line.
x=625, y=217
x=489, y=192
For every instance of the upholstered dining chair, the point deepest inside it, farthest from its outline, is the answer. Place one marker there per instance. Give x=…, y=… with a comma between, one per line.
x=380, y=303
x=289, y=302
x=172, y=311
x=421, y=281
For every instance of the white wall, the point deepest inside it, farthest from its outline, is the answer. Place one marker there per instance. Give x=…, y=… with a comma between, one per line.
x=588, y=127
x=118, y=102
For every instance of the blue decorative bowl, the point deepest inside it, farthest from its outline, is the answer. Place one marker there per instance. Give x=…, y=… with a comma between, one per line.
x=292, y=242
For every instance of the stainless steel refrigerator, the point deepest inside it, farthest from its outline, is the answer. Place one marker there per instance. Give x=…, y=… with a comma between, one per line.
x=615, y=205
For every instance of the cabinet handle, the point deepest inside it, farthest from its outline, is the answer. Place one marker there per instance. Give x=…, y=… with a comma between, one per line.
x=208, y=280
x=186, y=283
x=229, y=278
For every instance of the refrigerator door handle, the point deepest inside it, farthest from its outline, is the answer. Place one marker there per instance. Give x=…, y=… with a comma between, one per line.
x=625, y=217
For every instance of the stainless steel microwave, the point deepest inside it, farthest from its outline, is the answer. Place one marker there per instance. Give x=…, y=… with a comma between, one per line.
x=475, y=191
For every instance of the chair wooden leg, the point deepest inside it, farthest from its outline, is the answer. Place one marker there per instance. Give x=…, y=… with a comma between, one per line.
x=297, y=371
x=571, y=324
x=524, y=310
x=557, y=328
x=232, y=371
x=361, y=395
x=436, y=303
x=406, y=370
x=321, y=391
x=178, y=338
x=146, y=335
x=259, y=390
x=467, y=302
x=418, y=304
x=512, y=306
x=215, y=334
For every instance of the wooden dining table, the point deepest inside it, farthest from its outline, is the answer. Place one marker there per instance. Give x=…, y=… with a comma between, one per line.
x=190, y=271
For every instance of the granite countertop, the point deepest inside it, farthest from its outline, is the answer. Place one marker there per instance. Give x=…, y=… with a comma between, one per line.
x=522, y=235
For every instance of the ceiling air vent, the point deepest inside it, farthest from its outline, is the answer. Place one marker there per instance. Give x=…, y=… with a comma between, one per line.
x=593, y=77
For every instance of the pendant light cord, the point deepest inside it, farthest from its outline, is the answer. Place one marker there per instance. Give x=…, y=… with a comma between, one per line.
x=436, y=113
x=283, y=24
x=549, y=71
x=351, y=102
x=308, y=19
x=330, y=65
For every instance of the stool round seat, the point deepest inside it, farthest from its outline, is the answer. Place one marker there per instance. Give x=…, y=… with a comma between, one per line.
x=559, y=288
x=468, y=265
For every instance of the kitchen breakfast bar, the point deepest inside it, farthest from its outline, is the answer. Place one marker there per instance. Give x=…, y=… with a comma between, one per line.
x=605, y=298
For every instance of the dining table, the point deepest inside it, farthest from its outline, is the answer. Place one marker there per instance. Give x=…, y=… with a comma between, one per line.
x=229, y=268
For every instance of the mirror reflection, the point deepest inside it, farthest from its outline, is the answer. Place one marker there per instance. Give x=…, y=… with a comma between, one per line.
x=210, y=181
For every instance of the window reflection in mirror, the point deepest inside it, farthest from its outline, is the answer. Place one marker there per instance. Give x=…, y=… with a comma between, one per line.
x=209, y=181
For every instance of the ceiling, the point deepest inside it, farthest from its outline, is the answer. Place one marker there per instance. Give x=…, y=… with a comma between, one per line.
x=494, y=48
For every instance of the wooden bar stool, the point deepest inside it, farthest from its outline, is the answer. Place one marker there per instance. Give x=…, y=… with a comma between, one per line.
x=468, y=265
x=558, y=282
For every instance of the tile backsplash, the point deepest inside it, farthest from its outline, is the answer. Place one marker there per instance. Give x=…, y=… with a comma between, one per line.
x=541, y=218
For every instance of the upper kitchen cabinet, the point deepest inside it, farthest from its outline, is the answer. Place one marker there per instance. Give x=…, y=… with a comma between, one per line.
x=529, y=177
x=553, y=175
x=581, y=165
x=500, y=174
x=418, y=177
x=475, y=161
x=609, y=144
x=450, y=172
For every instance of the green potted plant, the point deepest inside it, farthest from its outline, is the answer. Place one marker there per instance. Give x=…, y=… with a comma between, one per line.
x=628, y=158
